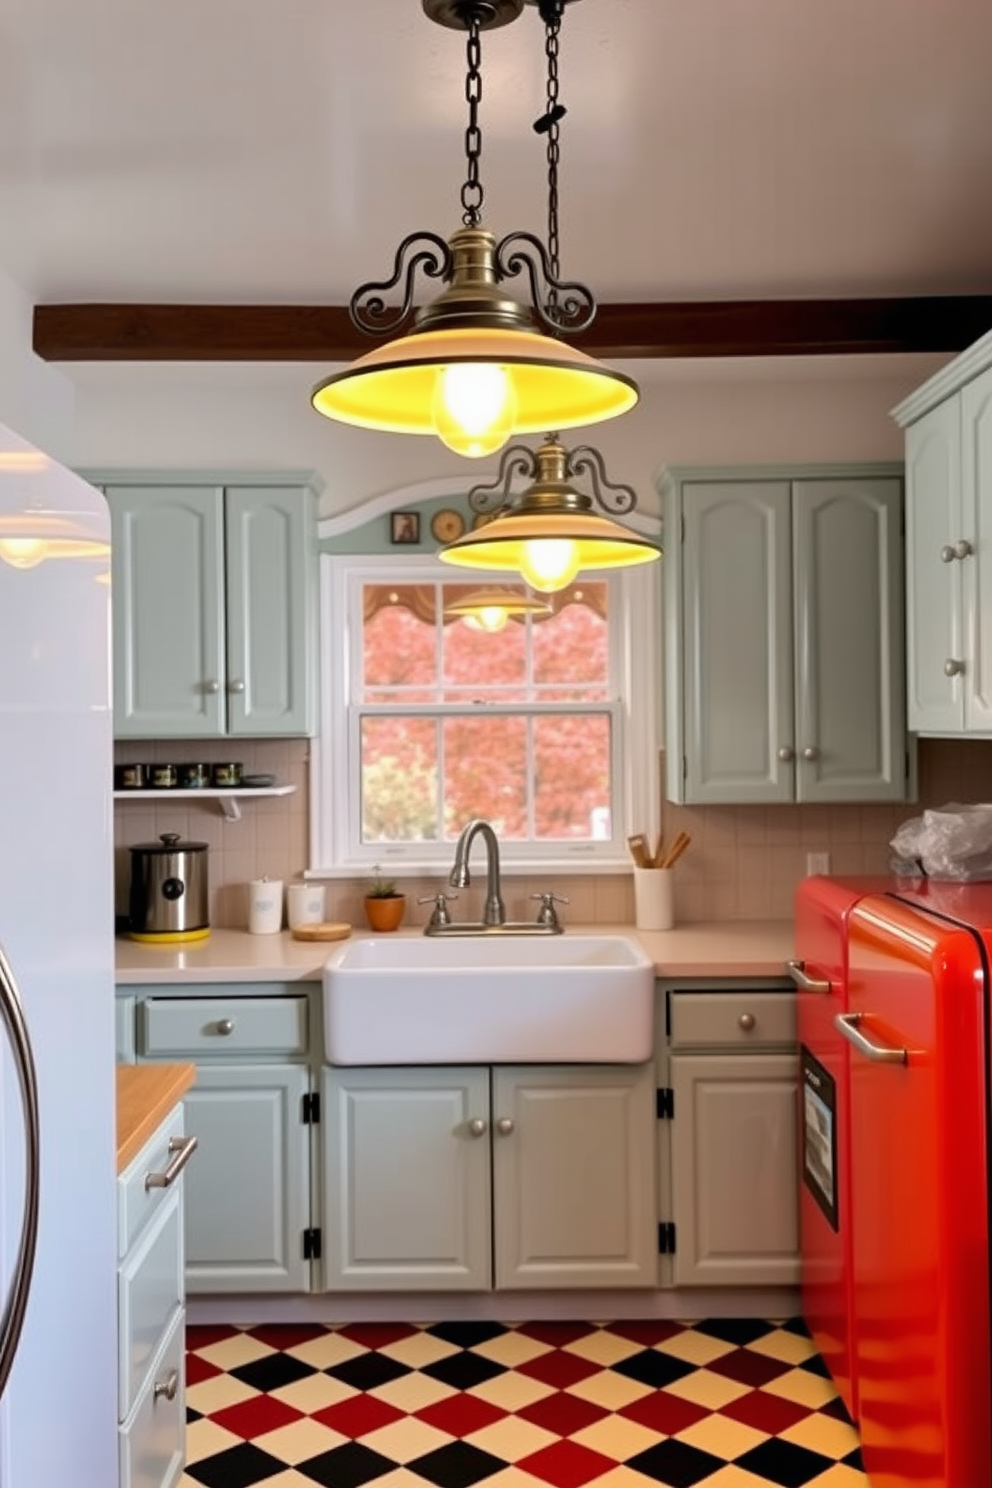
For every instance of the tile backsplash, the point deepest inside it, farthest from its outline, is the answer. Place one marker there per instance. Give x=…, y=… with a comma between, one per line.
x=744, y=863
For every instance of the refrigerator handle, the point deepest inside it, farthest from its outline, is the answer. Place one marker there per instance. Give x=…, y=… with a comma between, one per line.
x=15, y=1024
x=847, y=1024
x=805, y=983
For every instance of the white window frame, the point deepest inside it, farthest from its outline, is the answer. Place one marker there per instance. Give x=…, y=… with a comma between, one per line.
x=635, y=631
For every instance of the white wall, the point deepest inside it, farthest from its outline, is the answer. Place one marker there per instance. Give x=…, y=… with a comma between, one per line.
x=36, y=398
x=690, y=413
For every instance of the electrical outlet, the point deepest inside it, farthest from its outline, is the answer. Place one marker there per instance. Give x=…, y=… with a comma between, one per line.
x=818, y=862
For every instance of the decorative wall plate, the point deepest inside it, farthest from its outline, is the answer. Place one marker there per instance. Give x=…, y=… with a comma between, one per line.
x=447, y=525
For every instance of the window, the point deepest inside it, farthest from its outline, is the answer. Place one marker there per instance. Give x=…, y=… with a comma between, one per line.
x=547, y=727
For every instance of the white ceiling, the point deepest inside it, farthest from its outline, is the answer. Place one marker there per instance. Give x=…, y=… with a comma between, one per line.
x=276, y=151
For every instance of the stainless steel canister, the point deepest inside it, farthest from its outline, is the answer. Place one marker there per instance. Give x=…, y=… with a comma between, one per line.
x=169, y=891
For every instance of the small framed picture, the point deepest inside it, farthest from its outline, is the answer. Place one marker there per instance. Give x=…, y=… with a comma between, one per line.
x=404, y=527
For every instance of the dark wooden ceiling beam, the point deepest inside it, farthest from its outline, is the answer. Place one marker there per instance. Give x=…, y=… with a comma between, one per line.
x=324, y=333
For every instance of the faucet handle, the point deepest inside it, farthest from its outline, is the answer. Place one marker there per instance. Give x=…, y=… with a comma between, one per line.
x=440, y=915
x=547, y=914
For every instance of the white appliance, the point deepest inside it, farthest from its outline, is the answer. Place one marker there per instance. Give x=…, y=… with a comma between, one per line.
x=58, y=1417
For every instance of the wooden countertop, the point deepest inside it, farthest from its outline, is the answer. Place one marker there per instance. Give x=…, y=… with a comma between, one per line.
x=146, y=1094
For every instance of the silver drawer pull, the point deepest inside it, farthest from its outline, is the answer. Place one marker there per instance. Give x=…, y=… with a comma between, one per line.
x=183, y=1147
x=806, y=983
x=504, y=1126
x=746, y=1022
x=847, y=1024
x=477, y=1127
x=225, y=1025
x=167, y=1388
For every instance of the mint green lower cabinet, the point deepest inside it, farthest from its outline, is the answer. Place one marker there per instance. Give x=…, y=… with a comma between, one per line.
x=406, y=1179
x=573, y=1176
x=248, y=1194
x=515, y=1177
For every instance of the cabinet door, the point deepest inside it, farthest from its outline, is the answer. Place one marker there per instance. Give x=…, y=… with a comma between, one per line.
x=167, y=565
x=270, y=610
x=850, y=685
x=934, y=588
x=406, y=1167
x=976, y=566
x=248, y=1192
x=734, y=1184
x=574, y=1176
x=736, y=642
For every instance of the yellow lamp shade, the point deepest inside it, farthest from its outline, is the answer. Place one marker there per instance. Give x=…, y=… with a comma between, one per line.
x=553, y=386
x=549, y=549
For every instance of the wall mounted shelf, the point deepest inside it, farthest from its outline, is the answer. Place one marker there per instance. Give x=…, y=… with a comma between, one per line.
x=229, y=801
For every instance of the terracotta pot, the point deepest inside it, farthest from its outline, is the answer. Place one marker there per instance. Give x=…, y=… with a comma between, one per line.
x=385, y=914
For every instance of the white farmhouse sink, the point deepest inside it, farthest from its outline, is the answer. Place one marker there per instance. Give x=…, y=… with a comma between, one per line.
x=491, y=999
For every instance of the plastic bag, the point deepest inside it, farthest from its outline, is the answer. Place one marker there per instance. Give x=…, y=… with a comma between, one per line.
x=954, y=842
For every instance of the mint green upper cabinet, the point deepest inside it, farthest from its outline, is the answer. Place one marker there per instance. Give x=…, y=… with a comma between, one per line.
x=214, y=607
x=948, y=530
x=784, y=636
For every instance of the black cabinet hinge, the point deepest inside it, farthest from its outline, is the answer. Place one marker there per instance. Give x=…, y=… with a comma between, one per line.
x=666, y=1238
x=664, y=1103
x=311, y=1109
x=311, y=1245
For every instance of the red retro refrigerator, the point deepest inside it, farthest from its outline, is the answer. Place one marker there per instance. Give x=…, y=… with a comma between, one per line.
x=896, y=1266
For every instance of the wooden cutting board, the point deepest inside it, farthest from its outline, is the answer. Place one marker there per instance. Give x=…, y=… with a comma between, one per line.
x=329, y=930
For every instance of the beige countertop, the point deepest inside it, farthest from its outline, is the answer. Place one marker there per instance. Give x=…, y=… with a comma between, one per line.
x=146, y=1093
x=729, y=948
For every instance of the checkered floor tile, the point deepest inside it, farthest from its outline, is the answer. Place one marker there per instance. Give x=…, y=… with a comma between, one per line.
x=726, y=1403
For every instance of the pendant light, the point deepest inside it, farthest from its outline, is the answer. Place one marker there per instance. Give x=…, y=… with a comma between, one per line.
x=489, y=609
x=551, y=531
x=477, y=367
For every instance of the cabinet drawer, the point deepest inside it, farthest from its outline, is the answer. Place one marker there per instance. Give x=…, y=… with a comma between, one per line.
x=218, y=1027
x=152, y=1440
x=149, y=1294
x=733, y=1018
x=136, y=1204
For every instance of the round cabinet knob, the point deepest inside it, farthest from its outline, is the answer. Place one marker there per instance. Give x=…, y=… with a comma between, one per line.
x=225, y=1025
x=212, y=686
x=963, y=549
x=811, y=752
x=237, y=685
x=168, y=1387
x=786, y=753
x=953, y=668
x=477, y=1127
x=947, y=554
x=504, y=1126
x=746, y=1022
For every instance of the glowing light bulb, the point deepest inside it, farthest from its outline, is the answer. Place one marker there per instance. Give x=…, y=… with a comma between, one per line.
x=475, y=407
x=490, y=618
x=549, y=563
x=23, y=552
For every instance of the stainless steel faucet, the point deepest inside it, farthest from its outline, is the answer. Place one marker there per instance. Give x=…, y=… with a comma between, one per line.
x=460, y=878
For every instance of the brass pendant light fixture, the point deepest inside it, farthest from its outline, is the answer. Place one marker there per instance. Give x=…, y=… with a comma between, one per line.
x=478, y=366
x=490, y=608
x=551, y=531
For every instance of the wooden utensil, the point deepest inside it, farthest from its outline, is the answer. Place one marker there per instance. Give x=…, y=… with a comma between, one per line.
x=676, y=850
x=638, y=845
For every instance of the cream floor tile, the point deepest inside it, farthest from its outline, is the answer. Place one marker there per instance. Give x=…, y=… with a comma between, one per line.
x=791, y=1348
x=326, y=1350
x=229, y=1353
x=402, y=1441
x=511, y=1349
x=616, y=1437
x=288, y=1479
x=705, y=1388
x=722, y=1436
x=402, y=1477
x=511, y=1392
x=212, y=1395
x=314, y=1392
x=626, y=1477
x=732, y=1477
x=611, y=1391
x=411, y=1392
x=839, y=1476
x=511, y=1438
x=421, y=1349
x=603, y=1348
x=802, y=1387
x=695, y=1348
x=823, y=1434
x=299, y=1440
x=204, y=1438
x=515, y=1477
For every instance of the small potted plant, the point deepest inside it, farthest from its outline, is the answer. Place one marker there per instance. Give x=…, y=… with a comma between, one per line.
x=384, y=904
